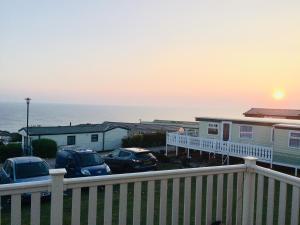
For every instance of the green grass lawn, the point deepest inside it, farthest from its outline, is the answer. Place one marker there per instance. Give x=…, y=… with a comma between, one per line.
x=45, y=208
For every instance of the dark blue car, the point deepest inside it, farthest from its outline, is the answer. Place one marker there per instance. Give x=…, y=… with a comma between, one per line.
x=81, y=163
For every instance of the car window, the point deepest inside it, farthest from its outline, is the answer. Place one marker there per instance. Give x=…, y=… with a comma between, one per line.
x=91, y=159
x=144, y=155
x=115, y=153
x=124, y=154
x=5, y=166
x=9, y=169
x=32, y=169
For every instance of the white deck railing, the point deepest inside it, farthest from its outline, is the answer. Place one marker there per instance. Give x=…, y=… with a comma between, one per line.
x=262, y=153
x=238, y=194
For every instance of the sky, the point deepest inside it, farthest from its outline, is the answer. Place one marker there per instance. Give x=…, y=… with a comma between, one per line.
x=139, y=52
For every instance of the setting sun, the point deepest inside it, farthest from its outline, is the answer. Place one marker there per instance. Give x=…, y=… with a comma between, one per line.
x=278, y=94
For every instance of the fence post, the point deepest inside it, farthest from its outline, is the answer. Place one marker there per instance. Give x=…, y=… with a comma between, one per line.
x=57, y=195
x=249, y=192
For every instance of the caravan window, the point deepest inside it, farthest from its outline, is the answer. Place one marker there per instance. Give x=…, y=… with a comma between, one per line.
x=294, y=141
x=246, y=132
x=213, y=128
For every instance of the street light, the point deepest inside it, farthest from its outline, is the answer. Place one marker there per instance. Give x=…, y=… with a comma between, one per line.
x=27, y=141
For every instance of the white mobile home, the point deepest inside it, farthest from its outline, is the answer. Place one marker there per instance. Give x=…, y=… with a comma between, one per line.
x=274, y=141
x=98, y=137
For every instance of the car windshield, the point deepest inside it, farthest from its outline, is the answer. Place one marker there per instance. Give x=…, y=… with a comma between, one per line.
x=90, y=159
x=32, y=169
x=144, y=155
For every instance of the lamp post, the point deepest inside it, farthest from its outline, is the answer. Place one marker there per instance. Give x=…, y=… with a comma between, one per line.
x=27, y=141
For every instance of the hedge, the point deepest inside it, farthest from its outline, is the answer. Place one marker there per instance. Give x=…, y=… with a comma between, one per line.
x=145, y=140
x=44, y=148
x=10, y=151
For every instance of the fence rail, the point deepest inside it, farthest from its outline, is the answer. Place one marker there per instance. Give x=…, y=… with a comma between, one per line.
x=262, y=153
x=238, y=194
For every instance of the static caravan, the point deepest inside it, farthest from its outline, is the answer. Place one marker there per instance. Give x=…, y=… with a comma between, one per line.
x=274, y=141
x=98, y=137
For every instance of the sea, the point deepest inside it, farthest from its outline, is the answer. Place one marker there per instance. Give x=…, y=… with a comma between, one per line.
x=13, y=115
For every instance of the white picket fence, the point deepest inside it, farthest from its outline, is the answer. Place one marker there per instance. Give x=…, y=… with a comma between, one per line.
x=236, y=194
x=262, y=153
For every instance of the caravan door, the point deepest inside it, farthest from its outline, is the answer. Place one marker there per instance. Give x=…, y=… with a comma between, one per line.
x=226, y=131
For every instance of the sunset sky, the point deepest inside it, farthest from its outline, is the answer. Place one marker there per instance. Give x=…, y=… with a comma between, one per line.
x=151, y=52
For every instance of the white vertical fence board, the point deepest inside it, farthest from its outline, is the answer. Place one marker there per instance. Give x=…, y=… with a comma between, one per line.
x=92, y=213
x=0, y=210
x=137, y=203
x=229, y=199
x=123, y=205
x=220, y=191
x=187, y=201
x=239, y=198
x=270, y=208
x=175, y=201
x=76, y=202
x=259, y=199
x=295, y=206
x=57, y=196
x=150, y=202
x=282, y=203
x=209, y=199
x=35, y=210
x=163, y=202
x=198, y=200
x=16, y=209
x=108, y=204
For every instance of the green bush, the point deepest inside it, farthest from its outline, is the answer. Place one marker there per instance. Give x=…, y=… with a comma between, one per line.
x=10, y=151
x=145, y=140
x=44, y=148
x=16, y=137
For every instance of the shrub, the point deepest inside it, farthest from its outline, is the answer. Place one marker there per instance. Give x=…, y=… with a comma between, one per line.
x=16, y=137
x=44, y=148
x=10, y=151
x=145, y=140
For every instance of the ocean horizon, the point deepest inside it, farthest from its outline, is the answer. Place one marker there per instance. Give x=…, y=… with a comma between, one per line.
x=13, y=115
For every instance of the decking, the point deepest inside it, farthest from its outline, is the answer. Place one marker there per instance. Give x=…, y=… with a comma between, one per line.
x=226, y=148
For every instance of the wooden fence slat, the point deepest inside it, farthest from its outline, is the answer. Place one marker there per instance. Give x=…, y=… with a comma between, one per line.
x=35, y=209
x=163, y=202
x=295, y=206
x=175, y=201
x=137, y=203
x=187, y=201
x=209, y=192
x=16, y=209
x=239, y=198
x=220, y=191
x=150, y=202
x=229, y=199
x=76, y=209
x=198, y=200
x=123, y=204
x=92, y=213
x=282, y=203
x=270, y=208
x=108, y=197
x=259, y=201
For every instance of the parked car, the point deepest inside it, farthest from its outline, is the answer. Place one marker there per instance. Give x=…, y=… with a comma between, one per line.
x=81, y=163
x=25, y=169
x=131, y=160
